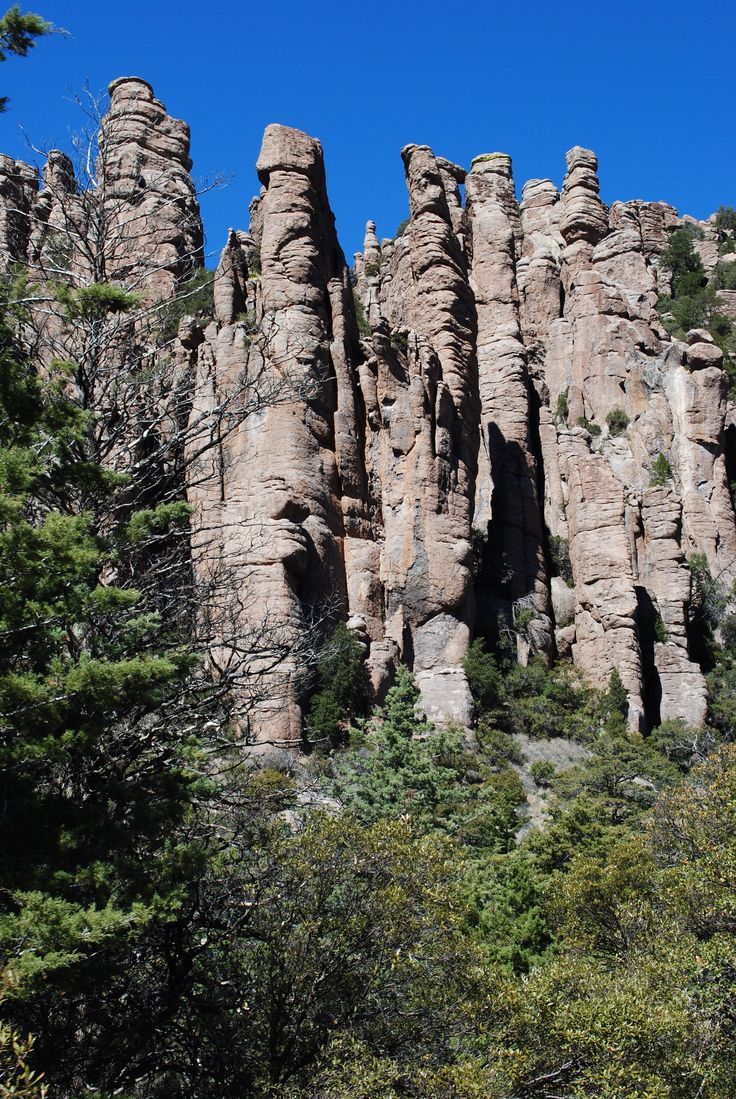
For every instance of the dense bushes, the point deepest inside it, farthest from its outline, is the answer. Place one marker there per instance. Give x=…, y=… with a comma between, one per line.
x=399, y=766
x=694, y=302
x=559, y=551
x=364, y=329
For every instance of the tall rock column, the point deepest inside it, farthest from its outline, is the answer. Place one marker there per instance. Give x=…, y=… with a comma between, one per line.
x=18, y=192
x=507, y=508
x=437, y=593
x=276, y=496
x=152, y=222
x=419, y=390
x=584, y=363
x=367, y=268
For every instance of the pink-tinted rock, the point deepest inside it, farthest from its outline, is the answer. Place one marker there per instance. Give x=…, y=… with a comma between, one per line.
x=514, y=375
x=506, y=501
x=701, y=355
x=605, y=615
x=144, y=171
x=18, y=192
x=584, y=217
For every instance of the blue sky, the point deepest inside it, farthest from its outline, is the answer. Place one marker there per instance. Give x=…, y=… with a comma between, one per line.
x=650, y=87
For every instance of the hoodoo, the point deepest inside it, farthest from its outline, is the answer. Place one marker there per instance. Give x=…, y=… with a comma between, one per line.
x=424, y=437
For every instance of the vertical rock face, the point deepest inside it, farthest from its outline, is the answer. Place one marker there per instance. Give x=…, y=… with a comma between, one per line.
x=427, y=450
x=579, y=391
x=517, y=384
x=487, y=423
x=285, y=490
x=583, y=215
x=538, y=268
x=143, y=172
x=138, y=221
x=606, y=606
x=507, y=510
x=18, y=192
x=350, y=492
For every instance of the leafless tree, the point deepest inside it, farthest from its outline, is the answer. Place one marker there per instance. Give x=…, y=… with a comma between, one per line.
x=112, y=263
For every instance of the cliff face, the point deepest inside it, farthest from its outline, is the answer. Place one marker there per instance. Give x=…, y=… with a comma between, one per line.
x=423, y=481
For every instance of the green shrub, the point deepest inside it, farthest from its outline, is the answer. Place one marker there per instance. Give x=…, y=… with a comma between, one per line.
x=661, y=470
x=542, y=771
x=563, y=407
x=194, y=298
x=682, y=260
x=254, y=263
x=617, y=421
x=591, y=427
x=400, y=340
x=478, y=542
x=497, y=747
x=536, y=353
x=724, y=276
x=364, y=328
x=372, y=269
x=401, y=228
x=708, y=598
x=403, y=767
x=721, y=329
x=559, y=551
x=543, y=702
x=616, y=704
x=342, y=690
x=694, y=302
x=661, y=633
x=248, y=318
x=96, y=301
x=484, y=677
x=695, y=232
x=726, y=219
x=680, y=743
x=523, y=618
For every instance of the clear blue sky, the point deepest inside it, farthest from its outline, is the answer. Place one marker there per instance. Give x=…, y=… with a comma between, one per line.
x=649, y=86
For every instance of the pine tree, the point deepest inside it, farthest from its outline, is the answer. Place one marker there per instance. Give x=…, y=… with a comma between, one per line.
x=18, y=34
x=97, y=764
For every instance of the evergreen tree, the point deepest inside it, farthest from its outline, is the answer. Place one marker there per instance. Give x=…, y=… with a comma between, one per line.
x=340, y=697
x=97, y=769
x=18, y=34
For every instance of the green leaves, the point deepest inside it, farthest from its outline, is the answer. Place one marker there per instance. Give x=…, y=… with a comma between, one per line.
x=341, y=694
x=402, y=767
x=96, y=301
x=18, y=34
x=157, y=522
x=45, y=935
x=694, y=302
x=19, y=31
x=99, y=774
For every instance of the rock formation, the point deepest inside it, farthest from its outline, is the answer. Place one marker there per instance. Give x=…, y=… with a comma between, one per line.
x=486, y=430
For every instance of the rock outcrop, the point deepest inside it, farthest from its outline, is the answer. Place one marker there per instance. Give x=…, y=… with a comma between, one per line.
x=508, y=516
x=485, y=430
x=580, y=391
x=143, y=168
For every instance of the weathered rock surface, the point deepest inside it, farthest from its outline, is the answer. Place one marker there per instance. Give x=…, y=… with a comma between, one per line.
x=289, y=491
x=507, y=510
x=423, y=450
x=18, y=193
x=143, y=167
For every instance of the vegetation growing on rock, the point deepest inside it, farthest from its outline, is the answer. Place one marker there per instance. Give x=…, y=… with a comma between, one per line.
x=485, y=877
